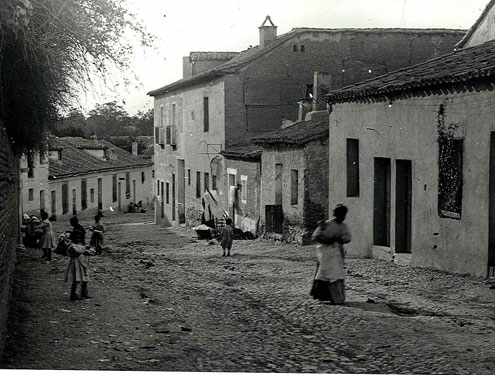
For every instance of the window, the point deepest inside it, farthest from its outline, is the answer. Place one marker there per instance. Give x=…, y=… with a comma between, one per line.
x=206, y=115
x=30, y=161
x=157, y=135
x=450, y=177
x=84, y=194
x=244, y=188
x=173, y=114
x=127, y=185
x=198, y=184
x=302, y=48
x=92, y=195
x=352, y=157
x=188, y=176
x=207, y=181
x=162, y=120
x=294, y=187
x=158, y=187
x=143, y=177
x=114, y=188
x=31, y=195
x=167, y=193
x=294, y=48
x=213, y=182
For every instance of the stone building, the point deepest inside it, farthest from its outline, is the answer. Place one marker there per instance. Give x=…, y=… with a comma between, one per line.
x=294, y=179
x=422, y=186
x=255, y=92
x=9, y=225
x=81, y=176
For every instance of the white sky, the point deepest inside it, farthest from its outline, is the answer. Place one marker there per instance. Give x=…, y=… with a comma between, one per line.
x=232, y=25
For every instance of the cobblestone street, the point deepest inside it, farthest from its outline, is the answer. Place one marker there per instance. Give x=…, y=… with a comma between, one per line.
x=163, y=301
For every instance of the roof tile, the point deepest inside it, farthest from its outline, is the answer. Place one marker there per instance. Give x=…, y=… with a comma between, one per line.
x=76, y=161
x=469, y=64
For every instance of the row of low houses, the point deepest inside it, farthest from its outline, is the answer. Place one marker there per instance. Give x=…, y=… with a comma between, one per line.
x=396, y=124
x=78, y=176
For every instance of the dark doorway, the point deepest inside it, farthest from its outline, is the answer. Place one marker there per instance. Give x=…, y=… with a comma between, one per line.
x=100, y=194
x=65, y=199
x=54, y=202
x=181, y=191
x=163, y=200
x=42, y=200
x=491, y=205
x=278, y=184
x=381, y=203
x=119, y=192
x=274, y=218
x=173, y=197
x=403, y=200
x=74, y=202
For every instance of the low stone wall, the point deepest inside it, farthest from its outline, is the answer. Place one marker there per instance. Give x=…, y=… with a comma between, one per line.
x=9, y=226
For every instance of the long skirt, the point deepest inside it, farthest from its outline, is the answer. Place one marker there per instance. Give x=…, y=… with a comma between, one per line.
x=78, y=269
x=332, y=291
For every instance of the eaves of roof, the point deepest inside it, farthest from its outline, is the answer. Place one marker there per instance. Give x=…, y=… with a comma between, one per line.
x=246, y=57
x=245, y=152
x=298, y=134
x=96, y=171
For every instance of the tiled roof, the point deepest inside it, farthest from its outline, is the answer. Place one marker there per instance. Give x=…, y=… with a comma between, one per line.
x=198, y=56
x=244, y=151
x=462, y=66
x=76, y=161
x=470, y=32
x=245, y=57
x=85, y=144
x=298, y=134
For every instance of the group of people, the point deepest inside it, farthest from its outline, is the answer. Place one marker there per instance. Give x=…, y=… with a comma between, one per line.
x=330, y=236
x=75, y=242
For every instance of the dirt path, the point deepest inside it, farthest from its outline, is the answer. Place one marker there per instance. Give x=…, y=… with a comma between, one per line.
x=162, y=301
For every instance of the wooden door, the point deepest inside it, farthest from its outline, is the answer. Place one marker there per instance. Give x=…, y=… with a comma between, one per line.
x=403, y=201
x=65, y=199
x=381, y=203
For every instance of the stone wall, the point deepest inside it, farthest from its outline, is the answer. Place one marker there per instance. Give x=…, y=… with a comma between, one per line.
x=9, y=225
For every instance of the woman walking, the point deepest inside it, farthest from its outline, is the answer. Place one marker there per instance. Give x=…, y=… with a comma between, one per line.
x=331, y=235
x=48, y=239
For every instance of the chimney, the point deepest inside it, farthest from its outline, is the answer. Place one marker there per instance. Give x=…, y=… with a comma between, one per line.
x=267, y=33
x=305, y=106
x=134, y=148
x=186, y=67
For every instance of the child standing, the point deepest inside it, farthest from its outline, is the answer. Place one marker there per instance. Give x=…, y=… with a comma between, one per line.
x=48, y=239
x=227, y=236
x=97, y=236
x=78, y=269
